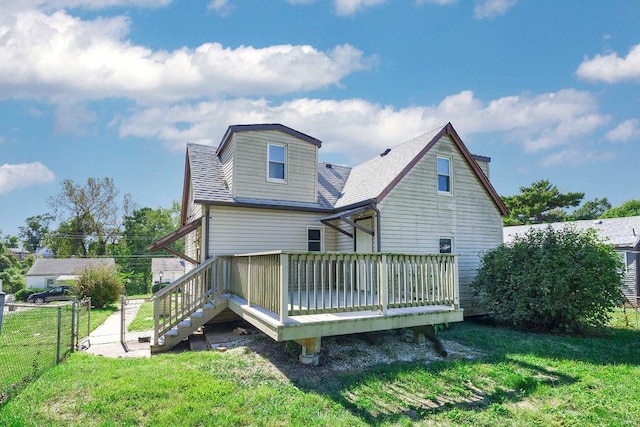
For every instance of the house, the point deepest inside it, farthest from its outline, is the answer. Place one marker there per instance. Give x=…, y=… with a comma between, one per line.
x=622, y=233
x=166, y=270
x=46, y=271
x=402, y=231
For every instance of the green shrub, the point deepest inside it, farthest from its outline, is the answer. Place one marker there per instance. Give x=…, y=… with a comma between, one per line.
x=23, y=294
x=100, y=283
x=551, y=280
x=157, y=286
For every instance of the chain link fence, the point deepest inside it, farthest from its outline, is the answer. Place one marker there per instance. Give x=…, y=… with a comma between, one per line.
x=136, y=323
x=34, y=338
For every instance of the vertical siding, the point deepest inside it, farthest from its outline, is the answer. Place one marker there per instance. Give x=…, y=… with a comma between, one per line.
x=414, y=215
x=250, y=167
x=242, y=230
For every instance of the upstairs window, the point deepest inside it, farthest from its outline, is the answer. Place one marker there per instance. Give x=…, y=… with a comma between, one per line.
x=277, y=163
x=314, y=239
x=444, y=175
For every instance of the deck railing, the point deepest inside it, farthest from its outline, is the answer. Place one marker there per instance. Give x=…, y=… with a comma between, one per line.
x=295, y=283
x=301, y=283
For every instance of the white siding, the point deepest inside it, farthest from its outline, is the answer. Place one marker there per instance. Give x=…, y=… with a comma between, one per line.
x=414, y=216
x=243, y=230
x=227, y=163
x=250, y=167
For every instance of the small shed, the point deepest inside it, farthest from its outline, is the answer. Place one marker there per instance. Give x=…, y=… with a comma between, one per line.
x=46, y=271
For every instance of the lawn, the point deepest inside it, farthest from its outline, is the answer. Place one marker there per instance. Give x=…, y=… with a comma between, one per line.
x=524, y=379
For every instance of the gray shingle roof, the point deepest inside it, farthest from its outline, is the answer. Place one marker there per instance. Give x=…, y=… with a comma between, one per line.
x=167, y=264
x=338, y=186
x=66, y=266
x=620, y=232
x=369, y=179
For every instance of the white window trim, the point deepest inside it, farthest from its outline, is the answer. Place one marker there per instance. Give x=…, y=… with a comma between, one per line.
x=286, y=155
x=450, y=175
x=453, y=248
x=315, y=227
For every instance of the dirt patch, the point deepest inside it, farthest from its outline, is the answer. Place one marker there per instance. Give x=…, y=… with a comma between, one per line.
x=344, y=353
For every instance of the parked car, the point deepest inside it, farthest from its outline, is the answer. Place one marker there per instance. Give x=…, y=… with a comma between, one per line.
x=59, y=293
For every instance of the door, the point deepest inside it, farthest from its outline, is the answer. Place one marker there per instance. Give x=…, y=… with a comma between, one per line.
x=364, y=241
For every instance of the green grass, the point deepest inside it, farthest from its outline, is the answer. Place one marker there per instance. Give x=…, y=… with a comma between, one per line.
x=524, y=379
x=144, y=318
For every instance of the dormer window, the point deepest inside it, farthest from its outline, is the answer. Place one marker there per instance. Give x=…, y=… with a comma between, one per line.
x=277, y=163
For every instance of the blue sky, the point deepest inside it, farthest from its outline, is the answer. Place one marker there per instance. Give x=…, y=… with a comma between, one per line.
x=95, y=88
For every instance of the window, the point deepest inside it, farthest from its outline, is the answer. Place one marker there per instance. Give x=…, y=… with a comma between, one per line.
x=444, y=175
x=446, y=245
x=277, y=164
x=50, y=282
x=315, y=239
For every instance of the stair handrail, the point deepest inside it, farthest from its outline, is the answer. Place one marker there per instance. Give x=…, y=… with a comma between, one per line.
x=179, y=312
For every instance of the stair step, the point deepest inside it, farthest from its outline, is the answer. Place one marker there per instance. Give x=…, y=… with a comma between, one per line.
x=197, y=315
x=172, y=333
x=208, y=306
x=186, y=323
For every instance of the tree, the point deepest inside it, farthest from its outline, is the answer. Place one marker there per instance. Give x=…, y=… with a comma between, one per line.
x=628, y=208
x=591, y=209
x=541, y=202
x=141, y=228
x=35, y=231
x=11, y=271
x=551, y=280
x=101, y=283
x=91, y=214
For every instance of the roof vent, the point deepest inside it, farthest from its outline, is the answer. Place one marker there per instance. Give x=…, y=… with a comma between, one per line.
x=328, y=165
x=385, y=152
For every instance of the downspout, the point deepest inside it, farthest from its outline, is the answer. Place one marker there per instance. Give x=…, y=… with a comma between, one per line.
x=378, y=237
x=207, y=232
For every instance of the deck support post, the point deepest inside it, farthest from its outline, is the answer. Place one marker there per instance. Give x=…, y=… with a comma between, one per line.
x=422, y=333
x=284, y=287
x=310, y=354
x=384, y=285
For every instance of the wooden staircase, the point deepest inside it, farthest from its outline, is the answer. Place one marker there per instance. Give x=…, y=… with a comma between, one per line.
x=183, y=307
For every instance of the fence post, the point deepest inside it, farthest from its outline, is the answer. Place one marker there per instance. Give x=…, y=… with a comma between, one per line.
x=2, y=297
x=74, y=329
x=123, y=341
x=59, y=335
x=156, y=320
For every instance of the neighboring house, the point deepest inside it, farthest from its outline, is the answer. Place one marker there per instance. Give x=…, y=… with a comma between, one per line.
x=622, y=233
x=262, y=189
x=46, y=271
x=19, y=253
x=166, y=270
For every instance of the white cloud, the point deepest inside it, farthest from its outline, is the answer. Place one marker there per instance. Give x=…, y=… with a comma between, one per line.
x=625, y=131
x=349, y=7
x=13, y=177
x=574, y=156
x=222, y=7
x=44, y=56
x=492, y=8
x=359, y=129
x=611, y=68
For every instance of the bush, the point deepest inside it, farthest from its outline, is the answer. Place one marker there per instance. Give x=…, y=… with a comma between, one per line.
x=100, y=283
x=551, y=280
x=23, y=294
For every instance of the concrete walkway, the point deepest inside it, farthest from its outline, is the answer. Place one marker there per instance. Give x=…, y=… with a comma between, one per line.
x=105, y=339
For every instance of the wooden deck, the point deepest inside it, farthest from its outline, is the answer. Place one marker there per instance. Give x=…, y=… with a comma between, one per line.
x=300, y=296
